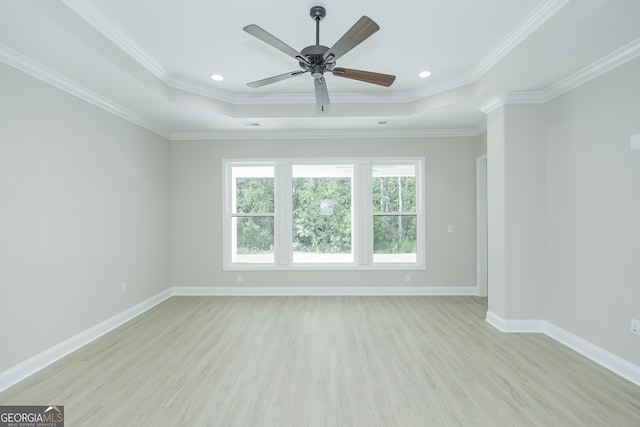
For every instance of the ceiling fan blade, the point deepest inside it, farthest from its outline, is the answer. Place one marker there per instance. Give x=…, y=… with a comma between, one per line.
x=360, y=31
x=266, y=37
x=364, y=76
x=322, y=94
x=269, y=80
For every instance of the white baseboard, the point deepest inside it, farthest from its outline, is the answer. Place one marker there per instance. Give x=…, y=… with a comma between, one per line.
x=625, y=369
x=515, y=326
x=34, y=364
x=324, y=291
x=599, y=355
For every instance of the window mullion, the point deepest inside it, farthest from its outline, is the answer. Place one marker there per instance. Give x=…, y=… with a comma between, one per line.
x=363, y=214
x=420, y=212
x=283, y=214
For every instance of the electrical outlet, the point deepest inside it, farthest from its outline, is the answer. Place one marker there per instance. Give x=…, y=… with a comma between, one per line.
x=240, y=279
x=123, y=287
x=407, y=278
x=635, y=327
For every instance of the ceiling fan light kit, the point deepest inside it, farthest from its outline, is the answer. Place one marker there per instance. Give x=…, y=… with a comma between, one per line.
x=316, y=59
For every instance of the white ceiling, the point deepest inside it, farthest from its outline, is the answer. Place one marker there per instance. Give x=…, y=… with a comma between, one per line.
x=150, y=61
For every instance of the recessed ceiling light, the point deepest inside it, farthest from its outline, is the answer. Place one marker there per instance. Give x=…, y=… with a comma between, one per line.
x=217, y=77
x=424, y=74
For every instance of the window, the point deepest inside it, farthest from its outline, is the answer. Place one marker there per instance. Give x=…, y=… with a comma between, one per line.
x=321, y=215
x=355, y=213
x=252, y=214
x=395, y=218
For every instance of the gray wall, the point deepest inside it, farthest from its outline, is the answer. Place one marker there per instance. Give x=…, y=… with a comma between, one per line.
x=524, y=211
x=197, y=210
x=89, y=200
x=593, y=211
x=85, y=206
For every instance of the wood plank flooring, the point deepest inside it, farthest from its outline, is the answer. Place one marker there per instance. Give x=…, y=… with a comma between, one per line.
x=327, y=361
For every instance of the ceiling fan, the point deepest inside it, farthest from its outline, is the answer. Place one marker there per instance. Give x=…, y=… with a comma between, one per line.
x=317, y=59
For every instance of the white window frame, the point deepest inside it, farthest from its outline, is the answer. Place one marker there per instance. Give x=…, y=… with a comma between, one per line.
x=362, y=215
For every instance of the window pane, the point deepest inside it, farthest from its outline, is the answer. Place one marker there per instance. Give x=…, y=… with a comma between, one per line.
x=321, y=213
x=253, y=189
x=253, y=239
x=394, y=194
x=394, y=238
x=394, y=188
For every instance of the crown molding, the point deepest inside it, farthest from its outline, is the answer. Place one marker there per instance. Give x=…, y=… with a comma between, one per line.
x=198, y=89
x=534, y=97
x=615, y=59
x=306, y=98
x=480, y=129
x=40, y=72
x=98, y=21
x=453, y=83
x=491, y=105
x=337, y=134
x=531, y=23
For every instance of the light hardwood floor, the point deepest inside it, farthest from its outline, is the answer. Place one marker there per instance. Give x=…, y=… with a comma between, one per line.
x=327, y=361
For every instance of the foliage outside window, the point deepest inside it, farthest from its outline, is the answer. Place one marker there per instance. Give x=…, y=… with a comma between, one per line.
x=252, y=218
x=344, y=213
x=394, y=213
x=321, y=213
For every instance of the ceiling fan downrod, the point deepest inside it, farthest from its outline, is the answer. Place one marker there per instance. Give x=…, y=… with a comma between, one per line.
x=317, y=13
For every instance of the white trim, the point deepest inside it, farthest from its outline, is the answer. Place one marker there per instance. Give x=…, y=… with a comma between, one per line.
x=57, y=352
x=599, y=355
x=525, y=98
x=199, y=89
x=528, y=26
x=615, y=364
x=615, y=59
x=98, y=21
x=515, y=326
x=325, y=291
x=336, y=98
x=496, y=321
x=491, y=105
x=482, y=235
x=328, y=134
x=40, y=72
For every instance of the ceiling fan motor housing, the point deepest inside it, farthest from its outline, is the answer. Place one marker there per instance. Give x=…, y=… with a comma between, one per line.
x=318, y=65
